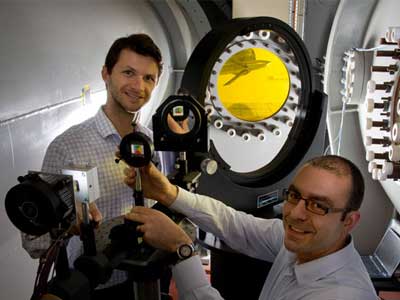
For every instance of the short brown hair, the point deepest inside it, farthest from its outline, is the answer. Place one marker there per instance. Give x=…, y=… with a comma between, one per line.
x=140, y=43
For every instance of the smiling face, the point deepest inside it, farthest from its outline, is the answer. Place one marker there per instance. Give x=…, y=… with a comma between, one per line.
x=309, y=235
x=130, y=82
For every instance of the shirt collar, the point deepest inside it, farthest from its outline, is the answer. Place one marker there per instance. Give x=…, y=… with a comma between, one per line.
x=313, y=270
x=104, y=124
x=106, y=127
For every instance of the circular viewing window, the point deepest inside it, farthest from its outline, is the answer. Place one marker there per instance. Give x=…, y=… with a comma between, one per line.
x=255, y=77
x=254, y=90
x=253, y=84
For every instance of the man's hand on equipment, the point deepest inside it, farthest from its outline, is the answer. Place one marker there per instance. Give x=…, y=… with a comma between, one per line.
x=95, y=214
x=179, y=127
x=95, y=217
x=159, y=231
x=154, y=184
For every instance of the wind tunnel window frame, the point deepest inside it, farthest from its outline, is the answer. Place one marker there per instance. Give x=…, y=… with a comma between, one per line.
x=308, y=112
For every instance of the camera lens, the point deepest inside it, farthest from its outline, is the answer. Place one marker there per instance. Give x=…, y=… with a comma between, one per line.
x=29, y=210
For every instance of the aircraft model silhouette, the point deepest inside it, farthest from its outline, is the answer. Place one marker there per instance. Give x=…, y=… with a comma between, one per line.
x=242, y=64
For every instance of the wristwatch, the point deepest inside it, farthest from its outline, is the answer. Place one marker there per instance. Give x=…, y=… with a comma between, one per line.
x=185, y=251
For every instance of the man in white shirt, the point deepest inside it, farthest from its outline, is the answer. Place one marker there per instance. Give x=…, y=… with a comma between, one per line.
x=311, y=247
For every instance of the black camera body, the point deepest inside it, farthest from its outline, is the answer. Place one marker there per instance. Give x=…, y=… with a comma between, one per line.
x=41, y=202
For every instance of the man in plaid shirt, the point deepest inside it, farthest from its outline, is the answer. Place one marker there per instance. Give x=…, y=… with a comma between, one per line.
x=131, y=71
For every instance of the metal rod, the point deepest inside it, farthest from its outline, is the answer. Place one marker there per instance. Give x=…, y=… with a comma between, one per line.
x=41, y=110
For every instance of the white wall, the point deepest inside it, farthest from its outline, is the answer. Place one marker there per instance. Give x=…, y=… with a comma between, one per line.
x=256, y=8
x=49, y=51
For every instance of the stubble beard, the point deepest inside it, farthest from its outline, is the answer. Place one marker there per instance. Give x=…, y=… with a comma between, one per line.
x=118, y=101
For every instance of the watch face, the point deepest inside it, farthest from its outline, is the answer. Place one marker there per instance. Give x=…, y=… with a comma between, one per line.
x=185, y=251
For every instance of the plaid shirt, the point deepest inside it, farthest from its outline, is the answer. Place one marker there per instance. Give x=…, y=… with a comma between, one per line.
x=93, y=143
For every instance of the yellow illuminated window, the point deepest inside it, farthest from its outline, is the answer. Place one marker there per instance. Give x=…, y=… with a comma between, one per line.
x=253, y=84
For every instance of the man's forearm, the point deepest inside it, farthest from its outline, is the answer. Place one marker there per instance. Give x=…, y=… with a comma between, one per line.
x=171, y=195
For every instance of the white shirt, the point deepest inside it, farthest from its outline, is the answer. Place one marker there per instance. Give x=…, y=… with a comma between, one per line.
x=340, y=275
